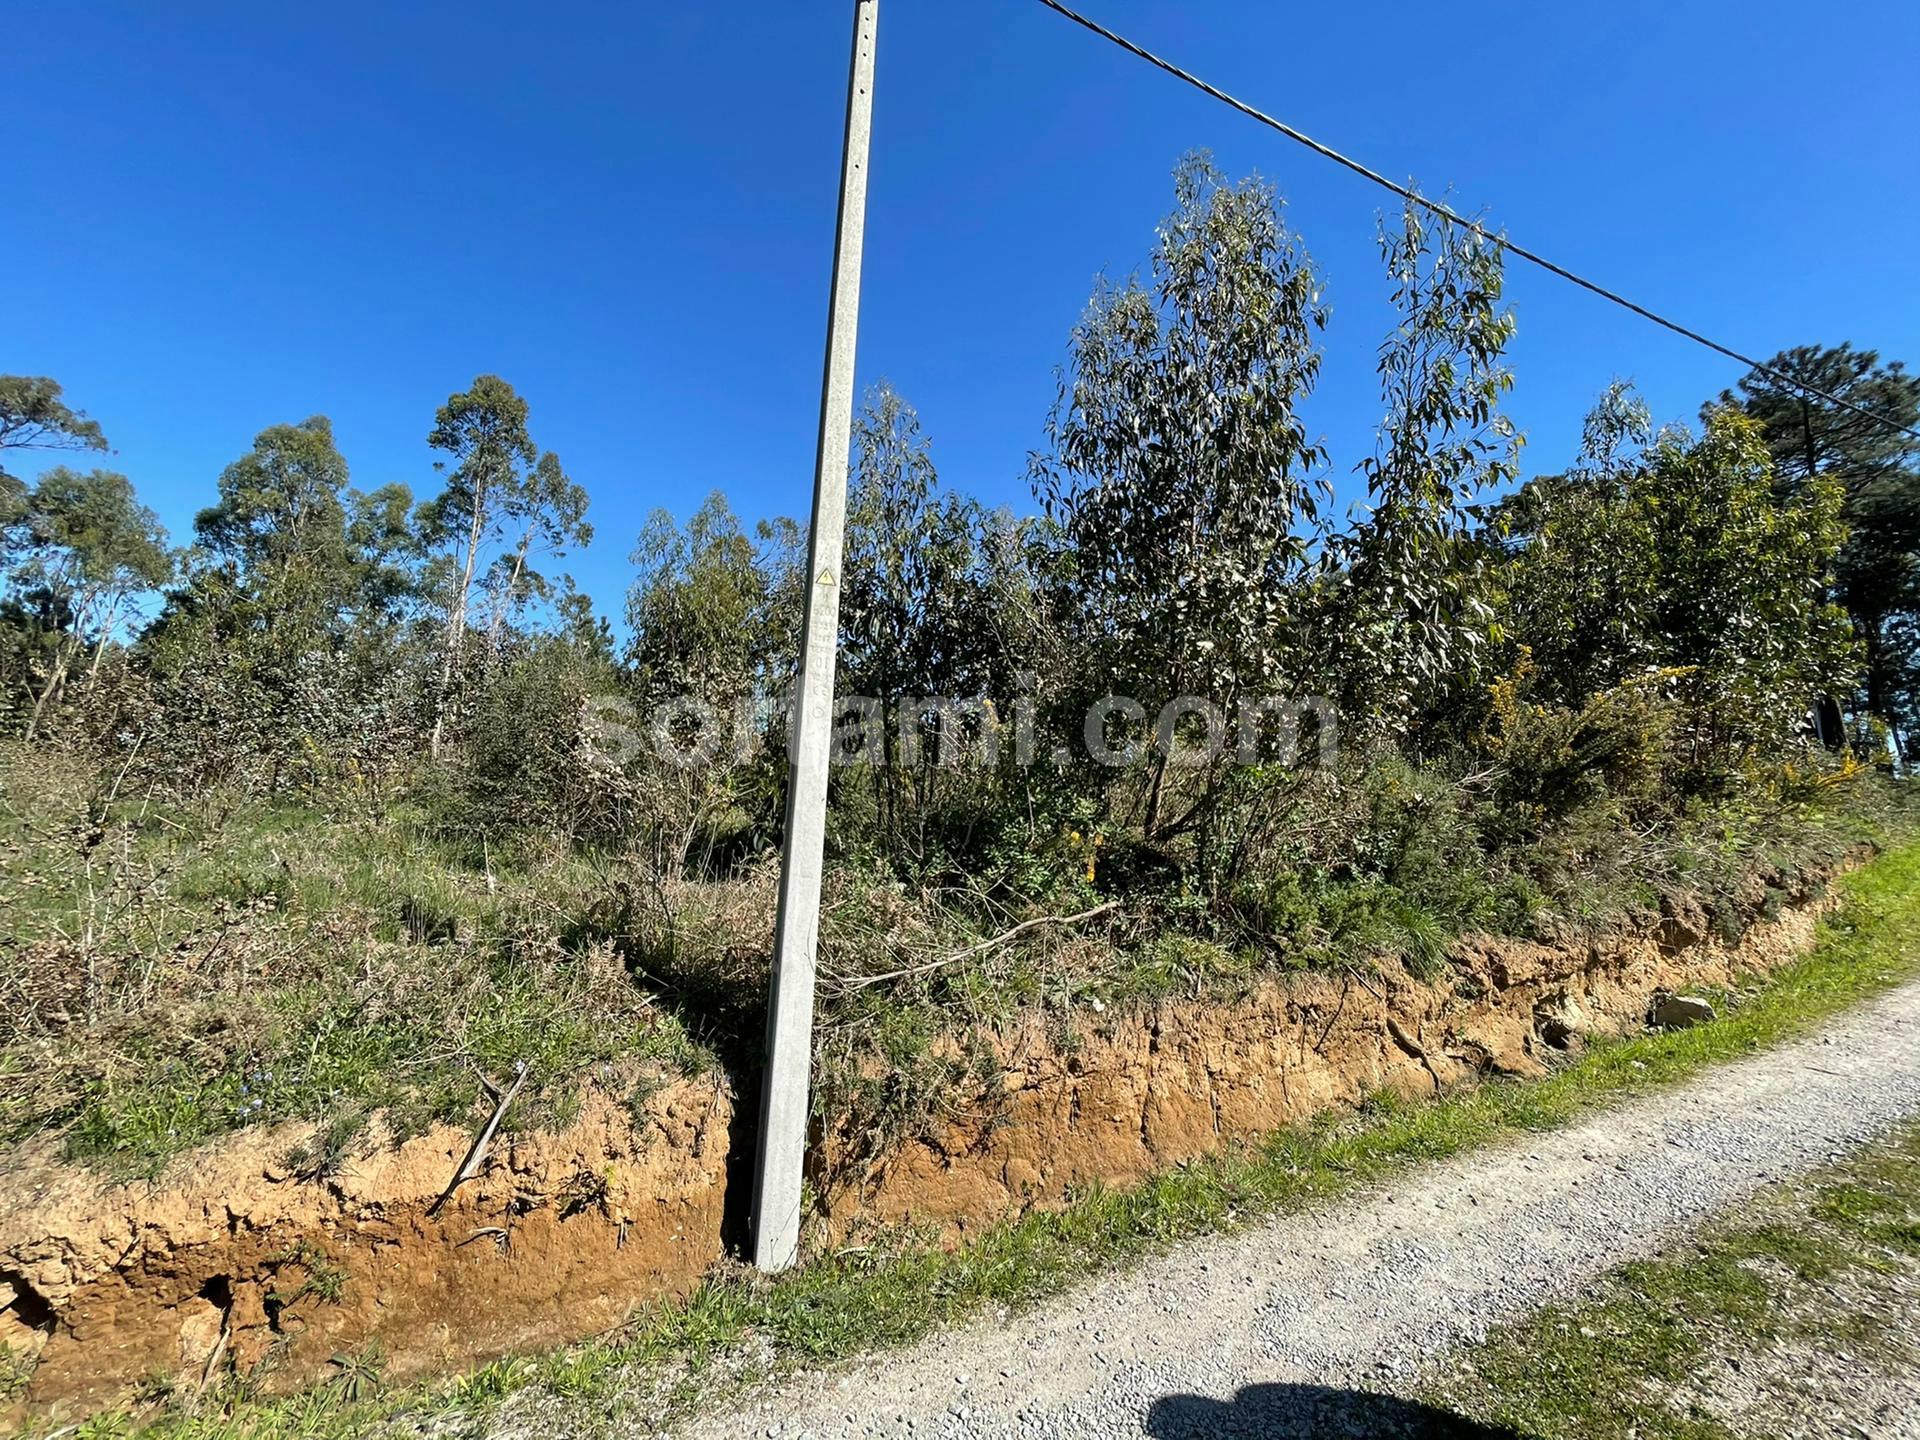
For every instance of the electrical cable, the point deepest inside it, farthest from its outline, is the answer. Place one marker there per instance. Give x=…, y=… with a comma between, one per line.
x=1455, y=218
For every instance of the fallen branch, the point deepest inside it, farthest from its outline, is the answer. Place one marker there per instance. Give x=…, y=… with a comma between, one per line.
x=477, y=1153
x=863, y=981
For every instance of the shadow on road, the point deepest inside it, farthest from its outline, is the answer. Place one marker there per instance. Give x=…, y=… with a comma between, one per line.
x=1309, y=1412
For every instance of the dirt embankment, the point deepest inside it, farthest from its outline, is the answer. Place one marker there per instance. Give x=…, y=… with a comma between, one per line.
x=1149, y=1090
x=234, y=1259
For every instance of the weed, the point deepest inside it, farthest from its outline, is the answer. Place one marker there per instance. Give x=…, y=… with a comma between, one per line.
x=324, y=1280
x=325, y=1151
x=359, y=1375
x=16, y=1369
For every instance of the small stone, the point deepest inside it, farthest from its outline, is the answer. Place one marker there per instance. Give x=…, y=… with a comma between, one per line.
x=1678, y=1012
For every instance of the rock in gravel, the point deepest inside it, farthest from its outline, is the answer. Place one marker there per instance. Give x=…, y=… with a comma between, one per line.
x=1677, y=1012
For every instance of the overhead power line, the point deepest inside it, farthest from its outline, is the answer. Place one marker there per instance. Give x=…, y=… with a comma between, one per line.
x=1454, y=217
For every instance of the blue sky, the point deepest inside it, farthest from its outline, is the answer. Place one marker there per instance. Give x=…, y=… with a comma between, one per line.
x=227, y=216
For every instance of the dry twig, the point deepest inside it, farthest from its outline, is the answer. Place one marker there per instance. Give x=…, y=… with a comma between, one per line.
x=477, y=1153
x=862, y=981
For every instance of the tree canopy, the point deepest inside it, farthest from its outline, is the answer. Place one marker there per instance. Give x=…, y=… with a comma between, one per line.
x=1877, y=574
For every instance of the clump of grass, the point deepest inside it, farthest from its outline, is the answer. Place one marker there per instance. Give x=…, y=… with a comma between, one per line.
x=16, y=1369
x=324, y=1280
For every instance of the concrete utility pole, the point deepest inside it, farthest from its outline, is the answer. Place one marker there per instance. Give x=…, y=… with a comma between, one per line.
x=784, y=1105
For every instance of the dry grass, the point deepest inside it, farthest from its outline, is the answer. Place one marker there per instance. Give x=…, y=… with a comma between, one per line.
x=172, y=971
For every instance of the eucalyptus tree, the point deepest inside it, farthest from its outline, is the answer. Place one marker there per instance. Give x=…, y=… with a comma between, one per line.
x=702, y=608
x=291, y=586
x=1410, y=612
x=1182, y=479
x=587, y=632
x=497, y=483
x=386, y=551
x=553, y=511
x=84, y=547
x=278, y=542
x=34, y=417
x=917, y=642
x=694, y=606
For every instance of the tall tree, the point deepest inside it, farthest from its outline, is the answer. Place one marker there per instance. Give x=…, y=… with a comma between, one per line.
x=381, y=534
x=281, y=525
x=86, y=546
x=1409, y=604
x=496, y=481
x=1182, y=477
x=554, y=511
x=1679, y=554
x=290, y=561
x=912, y=601
x=704, y=607
x=280, y=505
x=1877, y=574
x=34, y=417
x=696, y=605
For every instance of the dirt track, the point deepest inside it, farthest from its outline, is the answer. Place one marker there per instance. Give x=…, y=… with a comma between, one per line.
x=1267, y=1332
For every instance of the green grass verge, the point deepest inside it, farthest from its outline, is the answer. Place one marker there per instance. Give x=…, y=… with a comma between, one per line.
x=841, y=1305
x=1819, y=1269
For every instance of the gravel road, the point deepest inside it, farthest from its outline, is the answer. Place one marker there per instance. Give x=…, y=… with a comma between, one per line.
x=1306, y=1325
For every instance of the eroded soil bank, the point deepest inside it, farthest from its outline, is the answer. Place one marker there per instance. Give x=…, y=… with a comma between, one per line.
x=1154, y=1088
x=235, y=1258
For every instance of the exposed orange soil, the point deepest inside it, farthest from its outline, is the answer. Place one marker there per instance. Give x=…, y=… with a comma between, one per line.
x=232, y=1258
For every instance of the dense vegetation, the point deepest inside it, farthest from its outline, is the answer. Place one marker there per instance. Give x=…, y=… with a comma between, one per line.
x=356, y=794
